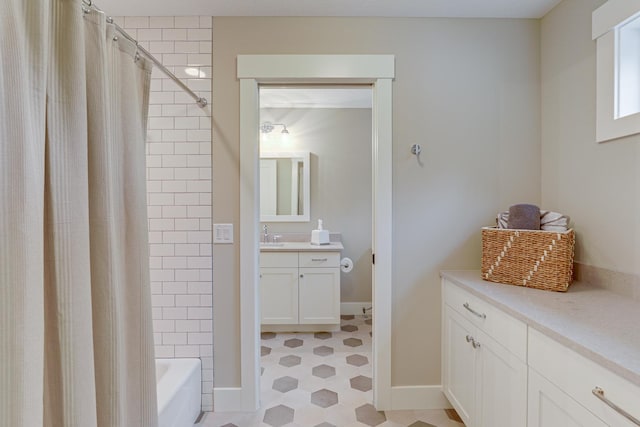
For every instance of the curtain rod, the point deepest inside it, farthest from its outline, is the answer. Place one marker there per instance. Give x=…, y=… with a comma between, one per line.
x=202, y=102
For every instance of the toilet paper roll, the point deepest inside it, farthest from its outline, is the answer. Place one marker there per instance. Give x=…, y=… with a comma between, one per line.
x=346, y=265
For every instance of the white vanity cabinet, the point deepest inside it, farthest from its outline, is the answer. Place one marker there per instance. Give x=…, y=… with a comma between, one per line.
x=299, y=289
x=562, y=384
x=550, y=406
x=279, y=288
x=484, y=361
x=502, y=371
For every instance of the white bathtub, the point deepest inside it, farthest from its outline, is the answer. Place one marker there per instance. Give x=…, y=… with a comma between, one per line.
x=179, y=394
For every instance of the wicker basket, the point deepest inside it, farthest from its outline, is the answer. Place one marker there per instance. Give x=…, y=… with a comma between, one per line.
x=531, y=258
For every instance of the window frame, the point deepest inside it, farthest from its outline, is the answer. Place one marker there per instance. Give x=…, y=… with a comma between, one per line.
x=606, y=21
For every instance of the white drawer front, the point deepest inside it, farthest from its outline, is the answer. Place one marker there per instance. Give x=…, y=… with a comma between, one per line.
x=278, y=259
x=319, y=259
x=508, y=331
x=578, y=376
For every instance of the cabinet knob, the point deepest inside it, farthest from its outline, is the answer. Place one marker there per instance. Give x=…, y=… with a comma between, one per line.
x=302, y=275
x=473, y=341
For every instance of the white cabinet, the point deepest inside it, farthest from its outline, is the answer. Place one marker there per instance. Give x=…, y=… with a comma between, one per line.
x=319, y=295
x=484, y=379
x=549, y=406
x=459, y=364
x=501, y=397
x=497, y=371
x=299, y=288
x=279, y=295
x=562, y=384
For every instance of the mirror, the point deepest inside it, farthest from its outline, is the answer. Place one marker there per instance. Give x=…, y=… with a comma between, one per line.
x=285, y=187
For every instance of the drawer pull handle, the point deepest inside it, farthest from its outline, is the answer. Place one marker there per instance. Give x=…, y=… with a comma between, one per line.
x=319, y=259
x=599, y=393
x=480, y=315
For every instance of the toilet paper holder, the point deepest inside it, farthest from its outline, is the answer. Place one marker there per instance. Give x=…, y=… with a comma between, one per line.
x=346, y=265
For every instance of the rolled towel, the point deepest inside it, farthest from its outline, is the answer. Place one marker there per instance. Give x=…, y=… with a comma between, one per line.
x=549, y=221
x=524, y=217
x=553, y=221
x=503, y=219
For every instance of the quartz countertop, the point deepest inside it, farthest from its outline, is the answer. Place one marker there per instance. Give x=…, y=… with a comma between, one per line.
x=300, y=247
x=601, y=325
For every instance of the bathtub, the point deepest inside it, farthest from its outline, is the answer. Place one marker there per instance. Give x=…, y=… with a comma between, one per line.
x=178, y=382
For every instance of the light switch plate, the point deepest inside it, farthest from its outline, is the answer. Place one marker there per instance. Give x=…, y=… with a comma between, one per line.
x=222, y=233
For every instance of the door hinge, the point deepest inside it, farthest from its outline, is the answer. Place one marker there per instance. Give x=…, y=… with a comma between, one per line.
x=373, y=259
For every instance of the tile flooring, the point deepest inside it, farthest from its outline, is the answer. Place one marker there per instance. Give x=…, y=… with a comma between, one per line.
x=323, y=379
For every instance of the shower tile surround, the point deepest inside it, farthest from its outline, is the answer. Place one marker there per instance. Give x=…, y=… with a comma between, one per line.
x=179, y=189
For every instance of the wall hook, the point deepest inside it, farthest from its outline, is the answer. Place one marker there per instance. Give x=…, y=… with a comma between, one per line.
x=416, y=149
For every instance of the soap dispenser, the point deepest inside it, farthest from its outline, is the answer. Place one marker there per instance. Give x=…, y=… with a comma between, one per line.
x=320, y=236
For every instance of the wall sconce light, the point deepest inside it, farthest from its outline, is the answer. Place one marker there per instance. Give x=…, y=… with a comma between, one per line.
x=268, y=127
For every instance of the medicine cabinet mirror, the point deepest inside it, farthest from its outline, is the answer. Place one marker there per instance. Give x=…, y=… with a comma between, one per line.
x=285, y=187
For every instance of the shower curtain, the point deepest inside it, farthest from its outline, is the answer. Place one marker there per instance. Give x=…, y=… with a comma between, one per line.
x=76, y=341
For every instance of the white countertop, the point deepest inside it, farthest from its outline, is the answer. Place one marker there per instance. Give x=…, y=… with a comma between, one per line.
x=599, y=324
x=300, y=247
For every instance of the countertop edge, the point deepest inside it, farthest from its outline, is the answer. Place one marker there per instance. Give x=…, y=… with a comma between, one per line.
x=303, y=247
x=568, y=341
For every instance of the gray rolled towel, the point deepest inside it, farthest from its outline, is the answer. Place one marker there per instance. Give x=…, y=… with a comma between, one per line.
x=524, y=217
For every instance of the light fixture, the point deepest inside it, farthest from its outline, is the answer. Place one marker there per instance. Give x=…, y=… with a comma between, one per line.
x=268, y=127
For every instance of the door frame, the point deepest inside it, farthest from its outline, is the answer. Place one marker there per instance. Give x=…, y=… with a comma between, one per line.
x=378, y=71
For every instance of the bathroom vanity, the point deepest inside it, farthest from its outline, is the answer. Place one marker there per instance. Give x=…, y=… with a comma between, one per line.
x=300, y=287
x=516, y=357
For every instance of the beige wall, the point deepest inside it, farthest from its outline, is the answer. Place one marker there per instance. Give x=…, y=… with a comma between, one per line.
x=467, y=90
x=339, y=141
x=598, y=185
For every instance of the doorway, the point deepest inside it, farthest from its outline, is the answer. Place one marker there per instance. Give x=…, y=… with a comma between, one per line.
x=316, y=165
x=378, y=71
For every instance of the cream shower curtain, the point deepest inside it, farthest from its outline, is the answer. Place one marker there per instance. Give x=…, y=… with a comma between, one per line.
x=76, y=344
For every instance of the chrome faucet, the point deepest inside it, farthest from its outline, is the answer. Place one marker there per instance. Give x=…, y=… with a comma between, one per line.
x=265, y=235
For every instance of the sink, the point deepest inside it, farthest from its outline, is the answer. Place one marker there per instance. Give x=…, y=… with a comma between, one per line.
x=271, y=244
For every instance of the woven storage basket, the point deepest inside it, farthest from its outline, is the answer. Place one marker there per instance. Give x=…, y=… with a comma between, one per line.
x=531, y=258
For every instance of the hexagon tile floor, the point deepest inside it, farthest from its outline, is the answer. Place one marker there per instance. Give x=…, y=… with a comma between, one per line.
x=323, y=379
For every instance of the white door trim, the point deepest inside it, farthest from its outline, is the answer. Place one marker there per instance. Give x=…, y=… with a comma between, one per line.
x=377, y=70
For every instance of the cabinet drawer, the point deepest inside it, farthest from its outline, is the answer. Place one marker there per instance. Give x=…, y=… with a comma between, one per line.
x=508, y=331
x=578, y=376
x=319, y=259
x=279, y=259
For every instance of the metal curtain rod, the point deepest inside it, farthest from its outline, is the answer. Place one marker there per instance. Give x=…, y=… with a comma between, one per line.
x=202, y=102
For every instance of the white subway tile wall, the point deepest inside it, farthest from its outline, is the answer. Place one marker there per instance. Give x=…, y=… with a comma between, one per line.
x=179, y=189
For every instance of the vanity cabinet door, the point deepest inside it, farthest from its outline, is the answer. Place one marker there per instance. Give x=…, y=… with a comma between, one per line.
x=279, y=295
x=502, y=385
x=319, y=296
x=459, y=364
x=551, y=407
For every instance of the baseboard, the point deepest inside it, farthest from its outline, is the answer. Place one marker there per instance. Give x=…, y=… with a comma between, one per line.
x=354, y=308
x=227, y=399
x=418, y=397
x=330, y=327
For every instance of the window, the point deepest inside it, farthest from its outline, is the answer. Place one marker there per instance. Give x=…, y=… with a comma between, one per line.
x=627, y=85
x=616, y=27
